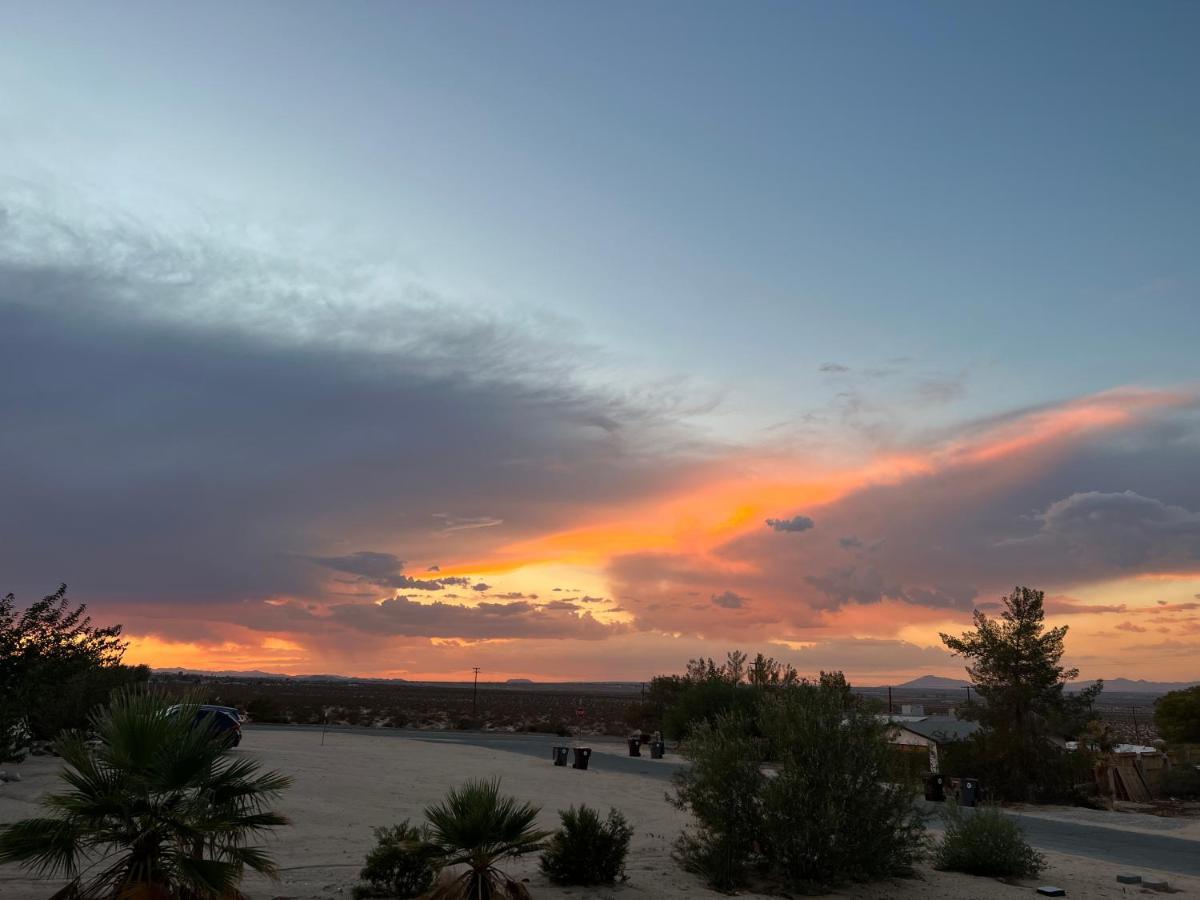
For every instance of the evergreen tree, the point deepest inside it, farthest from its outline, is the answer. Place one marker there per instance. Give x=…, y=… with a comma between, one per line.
x=1016, y=665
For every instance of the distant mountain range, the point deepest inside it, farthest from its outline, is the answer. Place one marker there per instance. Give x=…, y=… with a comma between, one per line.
x=275, y=676
x=923, y=683
x=1113, y=685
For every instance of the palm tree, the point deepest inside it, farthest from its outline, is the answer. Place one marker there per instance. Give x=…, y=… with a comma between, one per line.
x=158, y=808
x=478, y=828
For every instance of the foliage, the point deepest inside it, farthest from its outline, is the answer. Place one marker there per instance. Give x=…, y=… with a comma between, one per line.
x=841, y=806
x=401, y=864
x=837, y=809
x=1063, y=777
x=587, y=849
x=1015, y=664
x=985, y=842
x=55, y=667
x=156, y=807
x=265, y=710
x=1177, y=715
x=723, y=790
x=708, y=690
x=475, y=826
x=1181, y=782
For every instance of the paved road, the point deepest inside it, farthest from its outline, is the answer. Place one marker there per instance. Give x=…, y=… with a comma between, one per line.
x=1135, y=850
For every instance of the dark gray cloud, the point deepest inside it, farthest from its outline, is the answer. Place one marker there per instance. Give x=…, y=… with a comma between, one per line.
x=383, y=570
x=1121, y=529
x=191, y=422
x=794, y=524
x=833, y=368
x=850, y=542
x=729, y=600
x=485, y=621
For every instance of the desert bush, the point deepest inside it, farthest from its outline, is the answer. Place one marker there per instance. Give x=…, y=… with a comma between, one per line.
x=265, y=710
x=467, y=723
x=1177, y=715
x=1181, y=782
x=838, y=807
x=401, y=864
x=841, y=807
x=160, y=804
x=587, y=849
x=985, y=842
x=477, y=827
x=722, y=788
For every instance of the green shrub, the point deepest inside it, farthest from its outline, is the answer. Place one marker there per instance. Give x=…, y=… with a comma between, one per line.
x=587, y=849
x=985, y=842
x=722, y=788
x=1181, y=782
x=401, y=864
x=841, y=807
x=838, y=807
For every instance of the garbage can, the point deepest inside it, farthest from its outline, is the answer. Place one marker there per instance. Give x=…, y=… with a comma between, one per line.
x=560, y=755
x=657, y=749
x=969, y=792
x=582, y=755
x=635, y=747
x=935, y=788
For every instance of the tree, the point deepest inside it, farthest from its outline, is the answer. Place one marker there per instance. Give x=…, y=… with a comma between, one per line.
x=475, y=826
x=1016, y=665
x=56, y=666
x=160, y=803
x=1177, y=715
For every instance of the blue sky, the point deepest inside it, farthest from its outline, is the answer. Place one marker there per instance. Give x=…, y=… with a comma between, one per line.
x=731, y=193
x=719, y=225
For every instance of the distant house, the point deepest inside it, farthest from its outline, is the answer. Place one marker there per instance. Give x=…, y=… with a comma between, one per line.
x=926, y=733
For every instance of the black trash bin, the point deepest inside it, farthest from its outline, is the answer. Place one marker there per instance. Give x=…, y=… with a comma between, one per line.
x=935, y=788
x=560, y=755
x=582, y=755
x=657, y=749
x=969, y=792
x=635, y=747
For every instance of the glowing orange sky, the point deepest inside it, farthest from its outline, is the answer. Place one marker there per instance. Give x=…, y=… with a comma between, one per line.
x=699, y=523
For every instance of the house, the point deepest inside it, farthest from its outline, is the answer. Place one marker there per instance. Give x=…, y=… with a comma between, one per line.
x=926, y=733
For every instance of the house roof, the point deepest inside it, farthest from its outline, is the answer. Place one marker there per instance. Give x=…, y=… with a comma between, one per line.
x=942, y=729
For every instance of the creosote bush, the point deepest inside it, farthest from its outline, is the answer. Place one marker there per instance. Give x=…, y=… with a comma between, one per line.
x=587, y=849
x=985, y=842
x=401, y=864
x=722, y=788
x=837, y=807
x=1181, y=782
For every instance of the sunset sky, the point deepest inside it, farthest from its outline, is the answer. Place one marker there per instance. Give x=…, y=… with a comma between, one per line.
x=572, y=341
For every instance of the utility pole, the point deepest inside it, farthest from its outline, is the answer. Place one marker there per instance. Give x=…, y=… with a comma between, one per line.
x=475, y=694
x=968, y=687
x=1137, y=734
x=889, y=699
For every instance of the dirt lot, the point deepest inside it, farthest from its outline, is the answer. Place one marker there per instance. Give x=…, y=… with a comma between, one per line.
x=358, y=780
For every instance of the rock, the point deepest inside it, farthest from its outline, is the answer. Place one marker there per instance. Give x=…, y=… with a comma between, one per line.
x=1156, y=884
x=1129, y=879
x=1051, y=891
x=14, y=776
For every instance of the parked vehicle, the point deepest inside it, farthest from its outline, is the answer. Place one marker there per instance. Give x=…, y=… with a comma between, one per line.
x=225, y=721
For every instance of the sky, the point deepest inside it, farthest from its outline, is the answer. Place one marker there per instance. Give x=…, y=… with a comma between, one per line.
x=573, y=342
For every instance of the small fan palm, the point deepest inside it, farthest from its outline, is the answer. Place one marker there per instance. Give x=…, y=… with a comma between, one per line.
x=477, y=827
x=159, y=808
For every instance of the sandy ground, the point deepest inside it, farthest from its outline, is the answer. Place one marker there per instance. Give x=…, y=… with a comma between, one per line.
x=356, y=781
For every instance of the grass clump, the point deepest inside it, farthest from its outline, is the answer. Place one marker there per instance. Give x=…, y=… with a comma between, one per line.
x=401, y=864
x=985, y=842
x=587, y=849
